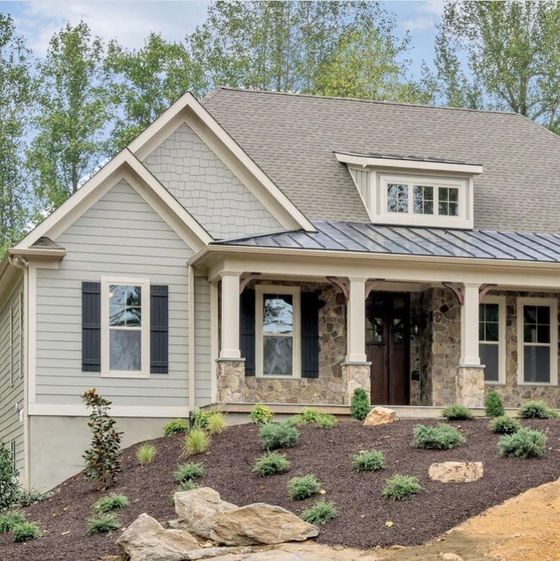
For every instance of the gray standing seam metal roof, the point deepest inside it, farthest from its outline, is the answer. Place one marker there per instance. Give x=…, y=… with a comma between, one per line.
x=403, y=240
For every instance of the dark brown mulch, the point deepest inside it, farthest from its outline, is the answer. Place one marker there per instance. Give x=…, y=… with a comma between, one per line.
x=363, y=513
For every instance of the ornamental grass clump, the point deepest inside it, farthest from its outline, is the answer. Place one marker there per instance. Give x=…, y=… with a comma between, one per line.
x=440, y=437
x=216, y=423
x=177, y=426
x=359, y=406
x=457, y=412
x=524, y=444
x=261, y=414
x=401, y=487
x=368, y=460
x=493, y=405
x=196, y=442
x=320, y=513
x=278, y=435
x=102, y=524
x=25, y=531
x=300, y=488
x=110, y=503
x=536, y=410
x=504, y=425
x=188, y=472
x=146, y=454
x=9, y=520
x=271, y=463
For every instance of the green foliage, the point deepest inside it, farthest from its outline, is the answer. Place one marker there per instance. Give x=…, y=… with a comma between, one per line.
x=146, y=454
x=493, y=404
x=188, y=485
x=102, y=458
x=525, y=443
x=359, y=406
x=441, y=437
x=308, y=416
x=278, y=435
x=319, y=513
x=27, y=497
x=401, y=487
x=9, y=488
x=9, y=520
x=300, y=488
x=536, y=410
x=504, y=425
x=368, y=460
x=196, y=442
x=200, y=417
x=457, y=412
x=25, y=531
x=102, y=524
x=216, y=423
x=177, y=426
x=326, y=421
x=271, y=463
x=110, y=503
x=188, y=472
x=311, y=416
x=261, y=414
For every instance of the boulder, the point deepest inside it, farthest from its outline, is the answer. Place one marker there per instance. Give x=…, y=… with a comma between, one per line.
x=147, y=540
x=257, y=523
x=380, y=416
x=456, y=472
x=194, y=506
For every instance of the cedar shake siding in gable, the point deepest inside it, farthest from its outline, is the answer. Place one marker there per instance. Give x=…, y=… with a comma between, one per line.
x=202, y=183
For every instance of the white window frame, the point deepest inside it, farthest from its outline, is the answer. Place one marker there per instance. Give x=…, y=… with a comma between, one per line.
x=502, y=326
x=295, y=292
x=144, y=372
x=552, y=303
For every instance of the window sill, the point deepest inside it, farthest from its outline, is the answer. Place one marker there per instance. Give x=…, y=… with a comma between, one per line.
x=541, y=384
x=495, y=382
x=277, y=377
x=136, y=375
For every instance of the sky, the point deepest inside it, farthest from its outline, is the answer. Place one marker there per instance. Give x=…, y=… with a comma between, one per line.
x=131, y=21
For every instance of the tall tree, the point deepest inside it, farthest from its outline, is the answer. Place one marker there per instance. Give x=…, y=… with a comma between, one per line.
x=511, y=51
x=144, y=82
x=15, y=92
x=72, y=114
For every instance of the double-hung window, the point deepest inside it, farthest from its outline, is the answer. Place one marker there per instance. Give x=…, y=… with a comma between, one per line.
x=492, y=334
x=537, y=334
x=125, y=327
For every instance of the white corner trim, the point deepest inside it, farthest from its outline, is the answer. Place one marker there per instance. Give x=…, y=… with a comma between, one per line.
x=79, y=410
x=214, y=341
x=191, y=337
x=31, y=333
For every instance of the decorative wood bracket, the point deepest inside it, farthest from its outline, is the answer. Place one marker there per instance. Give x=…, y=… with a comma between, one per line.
x=246, y=279
x=370, y=284
x=342, y=284
x=485, y=289
x=457, y=292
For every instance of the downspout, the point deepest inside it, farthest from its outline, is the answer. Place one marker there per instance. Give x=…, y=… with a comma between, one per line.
x=191, y=337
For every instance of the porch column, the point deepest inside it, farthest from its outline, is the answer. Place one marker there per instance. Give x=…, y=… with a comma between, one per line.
x=470, y=374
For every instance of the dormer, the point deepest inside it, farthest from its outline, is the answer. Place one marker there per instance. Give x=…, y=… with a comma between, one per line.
x=413, y=191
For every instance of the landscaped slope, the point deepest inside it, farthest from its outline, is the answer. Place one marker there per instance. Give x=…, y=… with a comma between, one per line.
x=365, y=518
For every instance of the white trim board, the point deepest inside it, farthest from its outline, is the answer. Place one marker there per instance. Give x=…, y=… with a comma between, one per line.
x=67, y=410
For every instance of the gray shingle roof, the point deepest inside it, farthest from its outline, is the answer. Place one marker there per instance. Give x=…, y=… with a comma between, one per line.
x=292, y=138
x=433, y=242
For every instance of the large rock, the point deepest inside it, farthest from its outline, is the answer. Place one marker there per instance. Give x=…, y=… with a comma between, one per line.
x=147, y=540
x=456, y=472
x=194, y=506
x=380, y=416
x=257, y=523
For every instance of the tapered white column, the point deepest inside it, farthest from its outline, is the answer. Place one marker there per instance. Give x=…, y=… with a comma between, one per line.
x=230, y=316
x=356, y=318
x=469, y=326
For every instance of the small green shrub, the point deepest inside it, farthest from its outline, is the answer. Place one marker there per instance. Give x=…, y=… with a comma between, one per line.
x=320, y=513
x=196, y=442
x=102, y=524
x=188, y=472
x=26, y=531
x=278, y=435
x=300, y=488
x=177, y=426
x=368, y=460
x=199, y=419
x=216, y=423
x=493, y=405
x=110, y=503
x=27, y=497
x=401, y=487
x=9, y=486
x=457, y=412
x=146, y=454
x=524, y=444
x=536, y=410
x=261, y=414
x=504, y=425
x=9, y=520
x=271, y=463
x=188, y=485
x=441, y=437
x=326, y=421
x=309, y=416
x=359, y=406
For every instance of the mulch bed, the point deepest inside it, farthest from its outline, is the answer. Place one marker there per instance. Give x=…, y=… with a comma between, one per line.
x=363, y=513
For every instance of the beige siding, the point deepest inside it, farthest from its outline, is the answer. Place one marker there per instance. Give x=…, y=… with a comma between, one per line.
x=201, y=182
x=11, y=374
x=202, y=341
x=120, y=235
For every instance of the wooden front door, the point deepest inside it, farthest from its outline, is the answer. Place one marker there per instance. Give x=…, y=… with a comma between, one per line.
x=388, y=347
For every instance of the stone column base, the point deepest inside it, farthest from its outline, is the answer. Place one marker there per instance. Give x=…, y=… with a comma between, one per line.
x=355, y=375
x=231, y=375
x=469, y=386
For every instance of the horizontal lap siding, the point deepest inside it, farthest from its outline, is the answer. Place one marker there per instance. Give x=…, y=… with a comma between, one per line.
x=120, y=235
x=11, y=428
x=202, y=341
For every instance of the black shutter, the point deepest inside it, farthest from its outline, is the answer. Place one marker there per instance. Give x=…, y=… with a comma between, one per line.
x=91, y=327
x=159, y=329
x=310, y=305
x=247, y=330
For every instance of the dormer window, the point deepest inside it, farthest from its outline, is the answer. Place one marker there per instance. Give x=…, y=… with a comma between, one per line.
x=414, y=192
